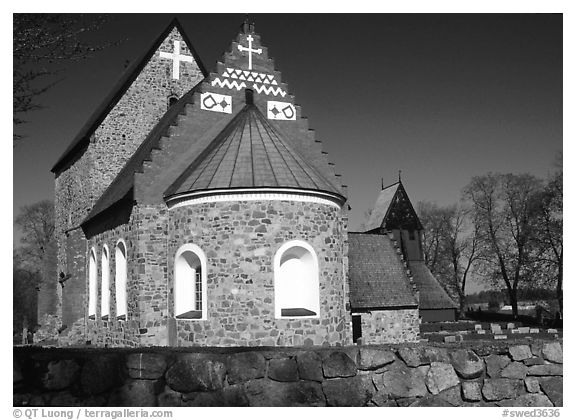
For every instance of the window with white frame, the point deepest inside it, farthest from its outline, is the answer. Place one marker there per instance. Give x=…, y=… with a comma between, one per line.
x=121, y=279
x=105, y=298
x=190, y=283
x=92, y=286
x=296, y=283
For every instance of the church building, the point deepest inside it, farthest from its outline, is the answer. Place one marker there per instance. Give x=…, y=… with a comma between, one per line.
x=199, y=209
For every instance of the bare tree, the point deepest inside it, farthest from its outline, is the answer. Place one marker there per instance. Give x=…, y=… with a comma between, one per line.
x=36, y=221
x=550, y=251
x=505, y=214
x=40, y=42
x=451, y=246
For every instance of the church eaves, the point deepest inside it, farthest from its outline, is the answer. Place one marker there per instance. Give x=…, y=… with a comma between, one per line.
x=82, y=139
x=250, y=153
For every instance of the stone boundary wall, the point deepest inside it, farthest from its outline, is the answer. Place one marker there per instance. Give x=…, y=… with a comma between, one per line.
x=520, y=374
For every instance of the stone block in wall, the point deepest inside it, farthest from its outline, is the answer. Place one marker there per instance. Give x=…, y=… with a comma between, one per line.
x=196, y=372
x=267, y=393
x=169, y=398
x=64, y=399
x=514, y=370
x=532, y=384
x=139, y=393
x=283, y=370
x=545, y=370
x=245, y=366
x=534, y=361
x=346, y=392
x=412, y=356
x=495, y=363
x=383, y=399
x=441, y=376
x=146, y=365
x=60, y=374
x=430, y=401
x=467, y=363
x=100, y=373
x=400, y=381
x=374, y=358
x=520, y=352
x=472, y=390
x=310, y=366
x=553, y=388
x=502, y=388
x=552, y=352
x=452, y=395
x=529, y=400
x=338, y=365
x=230, y=396
x=536, y=348
x=435, y=354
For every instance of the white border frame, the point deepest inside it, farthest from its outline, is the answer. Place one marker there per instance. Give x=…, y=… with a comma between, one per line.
x=204, y=268
x=276, y=265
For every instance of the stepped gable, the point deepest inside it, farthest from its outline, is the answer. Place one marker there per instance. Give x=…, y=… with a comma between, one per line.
x=432, y=295
x=393, y=210
x=241, y=69
x=250, y=153
x=198, y=120
x=378, y=278
x=123, y=184
x=82, y=139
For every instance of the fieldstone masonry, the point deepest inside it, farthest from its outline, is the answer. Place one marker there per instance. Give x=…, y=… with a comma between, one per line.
x=83, y=178
x=318, y=376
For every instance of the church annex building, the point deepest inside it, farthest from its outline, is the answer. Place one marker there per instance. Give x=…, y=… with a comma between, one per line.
x=198, y=209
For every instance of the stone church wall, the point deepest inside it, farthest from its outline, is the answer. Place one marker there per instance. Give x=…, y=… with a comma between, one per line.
x=86, y=177
x=392, y=326
x=112, y=332
x=480, y=374
x=240, y=240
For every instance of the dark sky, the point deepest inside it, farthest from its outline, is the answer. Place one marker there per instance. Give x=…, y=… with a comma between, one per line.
x=443, y=97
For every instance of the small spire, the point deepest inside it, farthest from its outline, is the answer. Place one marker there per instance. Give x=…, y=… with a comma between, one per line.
x=382, y=182
x=247, y=26
x=400, y=176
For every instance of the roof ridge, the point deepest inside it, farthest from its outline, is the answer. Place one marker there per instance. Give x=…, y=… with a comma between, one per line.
x=81, y=140
x=295, y=154
x=228, y=129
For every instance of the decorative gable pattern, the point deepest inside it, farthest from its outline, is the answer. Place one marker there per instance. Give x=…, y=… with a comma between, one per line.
x=393, y=210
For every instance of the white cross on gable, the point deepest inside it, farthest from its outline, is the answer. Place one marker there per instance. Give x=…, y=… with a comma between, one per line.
x=176, y=58
x=249, y=50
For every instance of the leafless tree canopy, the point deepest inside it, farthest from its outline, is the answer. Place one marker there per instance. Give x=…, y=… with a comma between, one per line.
x=42, y=42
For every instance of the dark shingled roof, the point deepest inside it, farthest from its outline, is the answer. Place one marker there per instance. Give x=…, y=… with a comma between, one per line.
x=250, y=153
x=432, y=295
x=378, y=278
x=82, y=139
x=381, y=207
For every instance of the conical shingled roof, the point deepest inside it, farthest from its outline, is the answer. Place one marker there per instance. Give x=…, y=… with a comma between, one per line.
x=250, y=153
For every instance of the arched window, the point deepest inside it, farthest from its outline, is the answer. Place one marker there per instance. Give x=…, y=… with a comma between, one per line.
x=105, y=302
x=190, y=283
x=92, y=287
x=172, y=100
x=296, y=286
x=120, y=281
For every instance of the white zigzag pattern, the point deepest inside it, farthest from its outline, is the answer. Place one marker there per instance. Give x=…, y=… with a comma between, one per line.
x=228, y=84
x=247, y=75
x=269, y=90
